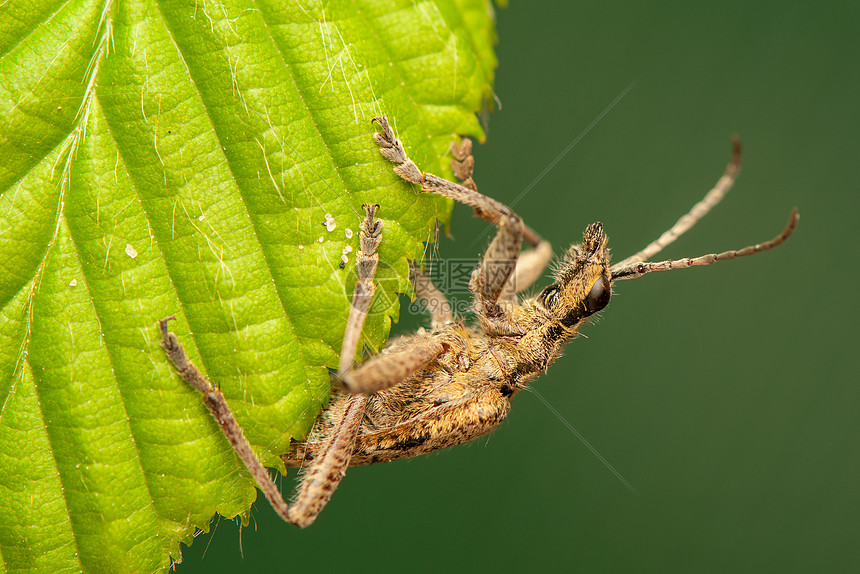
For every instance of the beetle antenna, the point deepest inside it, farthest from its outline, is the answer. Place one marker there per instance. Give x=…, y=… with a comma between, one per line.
x=637, y=269
x=701, y=209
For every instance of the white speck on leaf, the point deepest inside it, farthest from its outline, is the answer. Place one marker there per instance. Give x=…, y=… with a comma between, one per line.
x=130, y=251
x=73, y=282
x=329, y=222
x=320, y=239
x=348, y=233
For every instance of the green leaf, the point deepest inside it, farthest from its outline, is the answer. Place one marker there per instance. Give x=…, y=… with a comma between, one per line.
x=181, y=157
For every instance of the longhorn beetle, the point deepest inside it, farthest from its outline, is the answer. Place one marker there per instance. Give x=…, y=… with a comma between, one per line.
x=454, y=383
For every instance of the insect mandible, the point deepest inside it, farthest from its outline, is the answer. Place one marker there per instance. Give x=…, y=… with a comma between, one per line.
x=454, y=383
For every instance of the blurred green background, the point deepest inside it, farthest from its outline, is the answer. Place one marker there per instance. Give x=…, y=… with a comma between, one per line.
x=727, y=396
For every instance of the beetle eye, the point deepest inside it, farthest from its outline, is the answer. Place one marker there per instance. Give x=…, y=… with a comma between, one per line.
x=549, y=297
x=598, y=297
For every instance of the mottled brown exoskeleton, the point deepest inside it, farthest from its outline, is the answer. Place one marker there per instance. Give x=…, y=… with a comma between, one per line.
x=454, y=383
